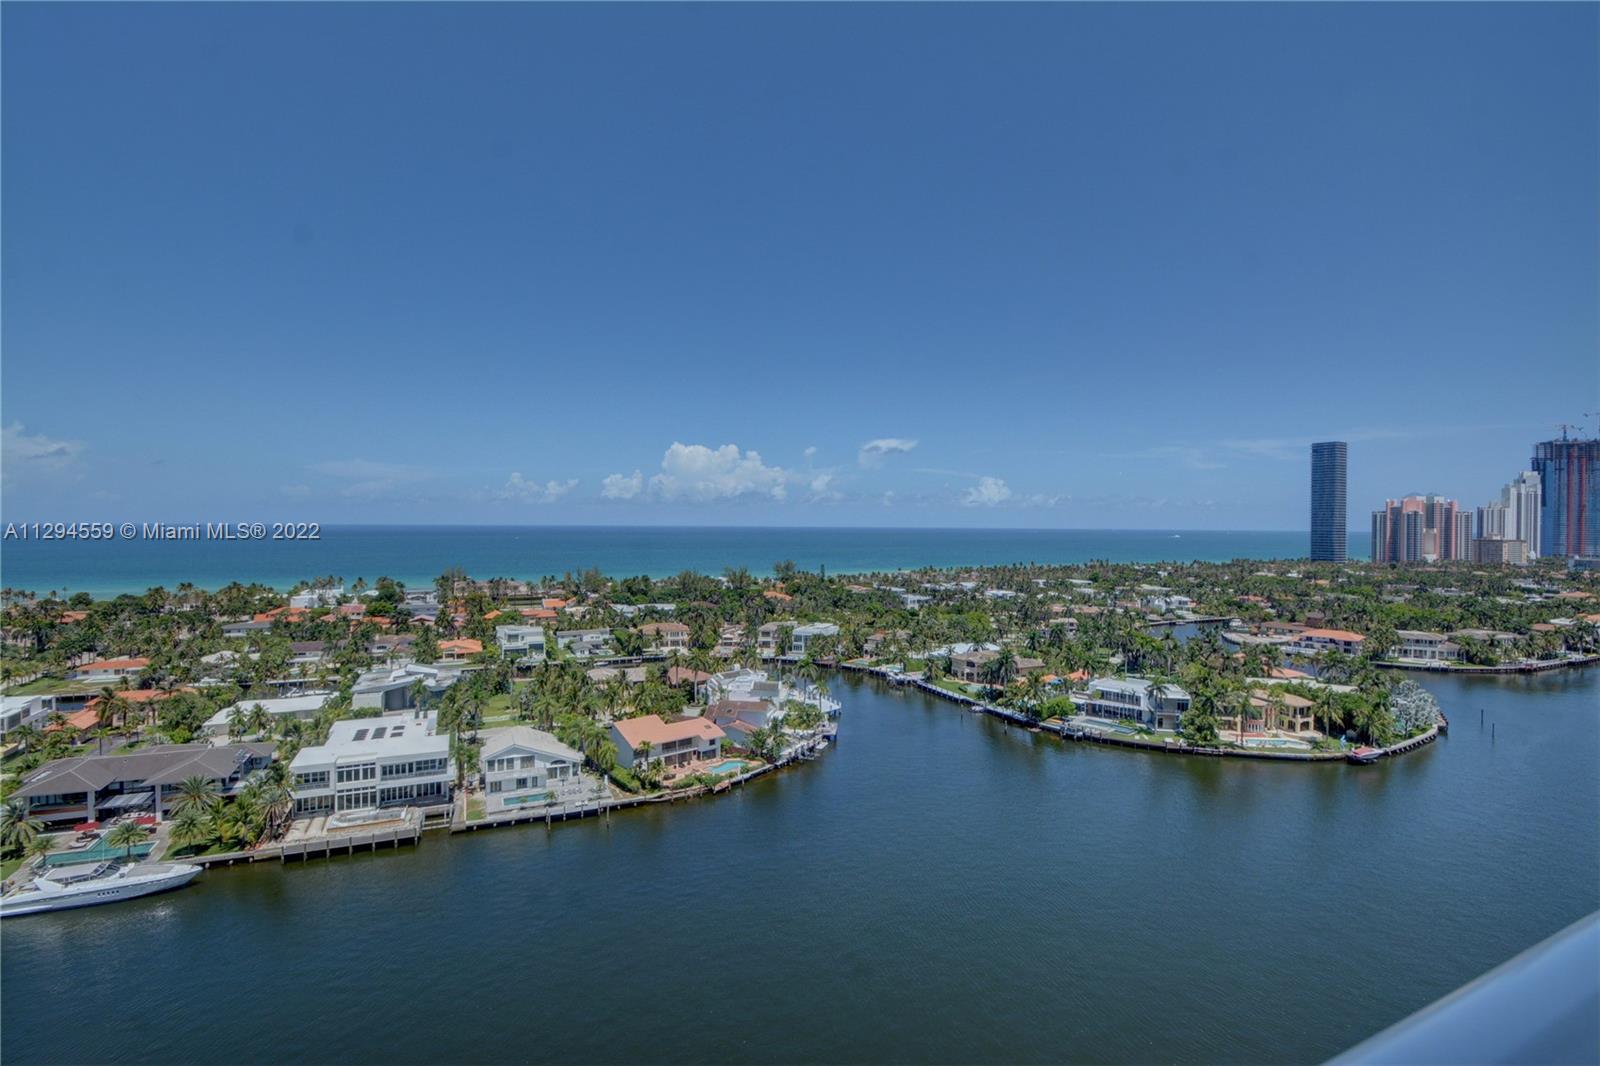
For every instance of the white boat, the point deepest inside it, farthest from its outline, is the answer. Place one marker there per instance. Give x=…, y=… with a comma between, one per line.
x=105, y=883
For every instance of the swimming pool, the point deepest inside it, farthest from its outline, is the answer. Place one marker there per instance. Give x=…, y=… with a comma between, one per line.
x=728, y=766
x=532, y=799
x=1276, y=742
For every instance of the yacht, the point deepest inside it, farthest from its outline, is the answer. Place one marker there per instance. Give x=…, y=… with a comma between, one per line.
x=105, y=883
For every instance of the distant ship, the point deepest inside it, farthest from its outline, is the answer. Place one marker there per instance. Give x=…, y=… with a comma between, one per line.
x=106, y=883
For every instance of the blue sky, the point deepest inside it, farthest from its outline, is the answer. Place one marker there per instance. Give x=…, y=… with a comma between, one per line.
x=1076, y=266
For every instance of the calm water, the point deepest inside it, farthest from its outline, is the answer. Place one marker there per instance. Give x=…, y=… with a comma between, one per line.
x=937, y=888
x=418, y=554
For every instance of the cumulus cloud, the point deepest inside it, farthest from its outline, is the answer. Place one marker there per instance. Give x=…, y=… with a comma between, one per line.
x=822, y=488
x=873, y=452
x=34, y=451
x=520, y=490
x=622, y=486
x=367, y=477
x=988, y=492
x=698, y=473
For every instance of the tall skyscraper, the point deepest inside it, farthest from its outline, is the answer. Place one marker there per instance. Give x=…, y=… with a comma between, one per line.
x=1421, y=529
x=1515, y=516
x=1328, y=462
x=1569, y=483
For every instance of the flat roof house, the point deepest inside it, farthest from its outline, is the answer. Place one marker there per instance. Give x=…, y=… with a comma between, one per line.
x=525, y=644
x=304, y=707
x=1130, y=697
x=391, y=688
x=584, y=643
x=522, y=767
x=369, y=763
x=18, y=711
x=1424, y=646
x=804, y=635
x=675, y=743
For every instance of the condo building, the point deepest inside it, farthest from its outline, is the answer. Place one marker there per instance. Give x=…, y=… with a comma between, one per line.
x=1421, y=529
x=1328, y=466
x=1569, y=483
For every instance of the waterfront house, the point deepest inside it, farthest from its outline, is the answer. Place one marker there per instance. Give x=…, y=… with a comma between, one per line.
x=769, y=638
x=803, y=636
x=1422, y=646
x=524, y=644
x=369, y=763
x=102, y=670
x=85, y=788
x=1132, y=697
x=1287, y=713
x=738, y=719
x=303, y=707
x=971, y=666
x=1317, y=641
x=665, y=636
x=675, y=743
x=521, y=766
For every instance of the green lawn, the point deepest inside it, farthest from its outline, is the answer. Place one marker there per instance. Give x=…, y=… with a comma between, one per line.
x=9, y=866
x=46, y=686
x=475, y=809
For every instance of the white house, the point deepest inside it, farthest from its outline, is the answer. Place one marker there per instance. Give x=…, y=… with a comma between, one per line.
x=584, y=643
x=304, y=707
x=317, y=597
x=18, y=711
x=802, y=636
x=1130, y=697
x=392, y=688
x=525, y=644
x=368, y=763
x=525, y=767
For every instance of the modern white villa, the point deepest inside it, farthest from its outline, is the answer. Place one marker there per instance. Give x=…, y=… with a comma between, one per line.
x=1131, y=697
x=523, y=767
x=802, y=636
x=368, y=763
x=304, y=707
x=394, y=688
x=584, y=643
x=18, y=711
x=525, y=644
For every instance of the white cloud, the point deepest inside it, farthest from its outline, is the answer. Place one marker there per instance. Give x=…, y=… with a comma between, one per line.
x=370, y=478
x=698, y=473
x=822, y=489
x=622, y=486
x=520, y=490
x=988, y=492
x=810, y=452
x=872, y=452
x=24, y=451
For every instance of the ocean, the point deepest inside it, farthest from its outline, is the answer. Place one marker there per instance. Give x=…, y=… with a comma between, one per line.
x=418, y=554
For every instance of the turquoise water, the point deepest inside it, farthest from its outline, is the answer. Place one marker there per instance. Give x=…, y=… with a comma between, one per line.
x=100, y=852
x=530, y=800
x=730, y=766
x=418, y=554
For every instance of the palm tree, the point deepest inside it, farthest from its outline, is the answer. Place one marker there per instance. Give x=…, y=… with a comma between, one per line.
x=197, y=793
x=127, y=835
x=192, y=826
x=18, y=828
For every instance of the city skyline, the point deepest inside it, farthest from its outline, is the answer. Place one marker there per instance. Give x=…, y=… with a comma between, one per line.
x=1133, y=301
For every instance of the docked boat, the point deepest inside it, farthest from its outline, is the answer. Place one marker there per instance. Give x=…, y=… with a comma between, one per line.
x=105, y=883
x=1364, y=755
